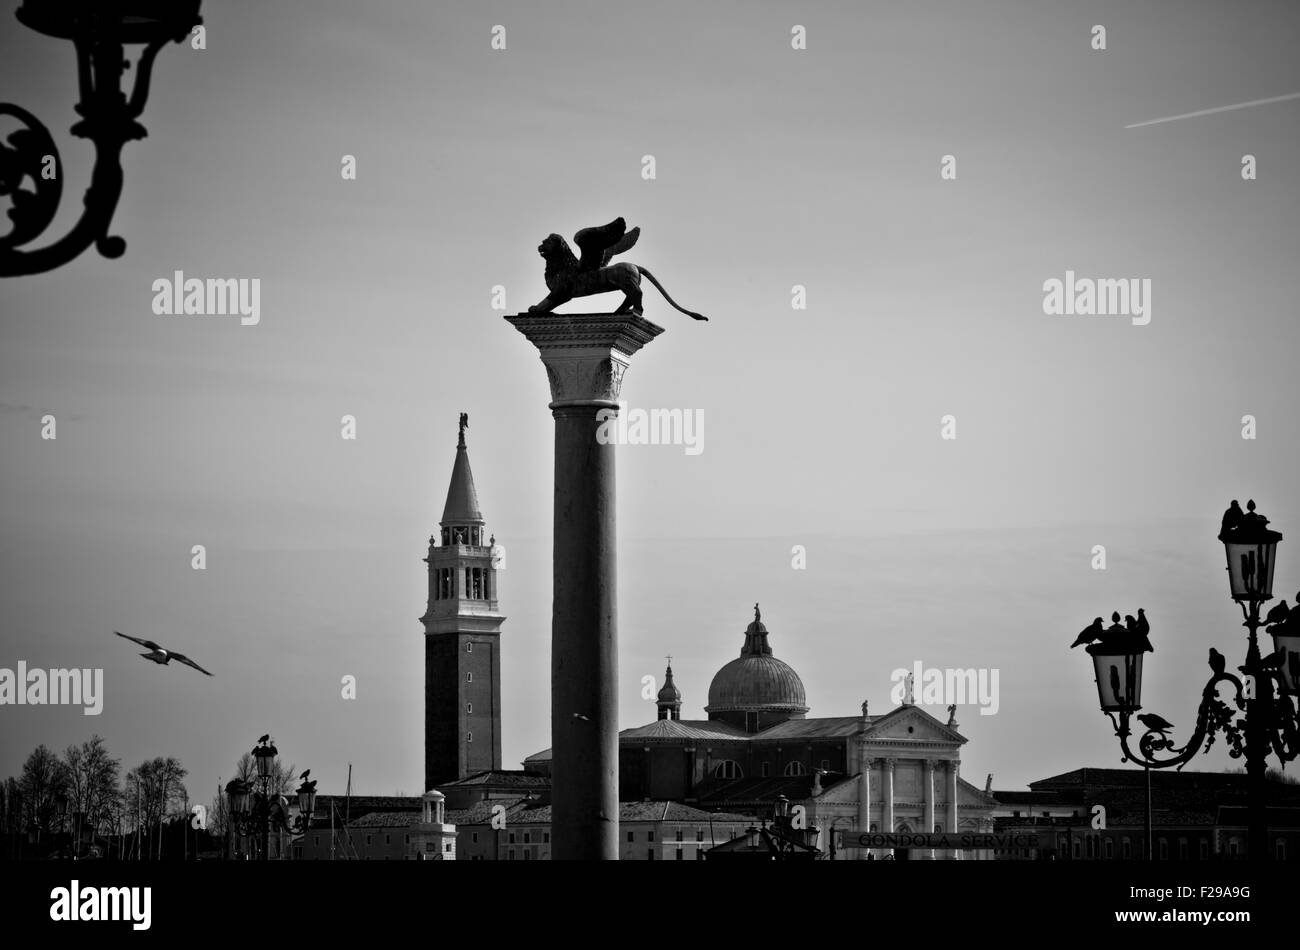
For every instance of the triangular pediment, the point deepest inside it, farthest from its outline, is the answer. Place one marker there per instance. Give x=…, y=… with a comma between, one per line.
x=912, y=724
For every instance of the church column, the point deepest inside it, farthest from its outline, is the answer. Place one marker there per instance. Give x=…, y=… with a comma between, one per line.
x=952, y=801
x=928, y=790
x=864, y=802
x=585, y=356
x=887, y=807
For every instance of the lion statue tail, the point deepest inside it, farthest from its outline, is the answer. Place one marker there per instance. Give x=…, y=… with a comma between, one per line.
x=676, y=306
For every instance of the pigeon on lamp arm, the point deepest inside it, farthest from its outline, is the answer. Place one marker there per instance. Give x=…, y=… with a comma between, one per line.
x=1155, y=723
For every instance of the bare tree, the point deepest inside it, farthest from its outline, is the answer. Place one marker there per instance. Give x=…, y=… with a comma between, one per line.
x=92, y=777
x=284, y=778
x=41, y=782
x=155, y=788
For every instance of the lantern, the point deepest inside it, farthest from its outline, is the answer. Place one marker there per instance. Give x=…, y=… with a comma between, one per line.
x=1118, y=667
x=1251, y=548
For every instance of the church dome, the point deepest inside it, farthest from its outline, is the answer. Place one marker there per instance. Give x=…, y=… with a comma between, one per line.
x=756, y=681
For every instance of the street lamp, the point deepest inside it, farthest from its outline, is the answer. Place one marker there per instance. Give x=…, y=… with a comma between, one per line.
x=1117, y=663
x=1264, y=692
x=256, y=807
x=1251, y=548
x=99, y=30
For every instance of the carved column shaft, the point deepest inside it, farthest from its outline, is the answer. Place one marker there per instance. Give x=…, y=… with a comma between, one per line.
x=928, y=791
x=585, y=356
x=887, y=804
x=952, y=802
x=864, y=803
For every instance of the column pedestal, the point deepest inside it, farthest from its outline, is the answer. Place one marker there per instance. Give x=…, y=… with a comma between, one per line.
x=585, y=356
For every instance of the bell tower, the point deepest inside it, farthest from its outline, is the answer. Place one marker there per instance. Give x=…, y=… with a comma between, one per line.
x=462, y=637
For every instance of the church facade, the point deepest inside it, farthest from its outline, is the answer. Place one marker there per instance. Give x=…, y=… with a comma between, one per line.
x=896, y=772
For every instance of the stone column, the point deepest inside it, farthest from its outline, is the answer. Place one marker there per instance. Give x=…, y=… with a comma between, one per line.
x=864, y=803
x=952, y=802
x=585, y=356
x=927, y=790
x=887, y=798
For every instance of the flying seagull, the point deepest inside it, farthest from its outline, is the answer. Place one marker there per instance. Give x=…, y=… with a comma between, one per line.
x=1089, y=633
x=1155, y=723
x=161, y=656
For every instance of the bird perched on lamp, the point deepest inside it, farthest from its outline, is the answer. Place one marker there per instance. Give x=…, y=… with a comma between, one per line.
x=1231, y=519
x=1155, y=722
x=1089, y=633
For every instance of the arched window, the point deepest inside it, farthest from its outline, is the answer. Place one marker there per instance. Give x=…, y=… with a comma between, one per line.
x=728, y=768
x=794, y=768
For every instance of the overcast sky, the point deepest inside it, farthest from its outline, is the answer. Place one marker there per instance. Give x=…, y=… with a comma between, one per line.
x=775, y=167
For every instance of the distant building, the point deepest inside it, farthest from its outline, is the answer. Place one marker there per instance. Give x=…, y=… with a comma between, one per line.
x=462, y=643
x=850, y=774
x=1196, y=816
x=520, y=830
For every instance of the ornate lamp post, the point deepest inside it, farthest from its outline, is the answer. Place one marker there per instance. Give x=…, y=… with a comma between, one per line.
x=99, y=29
x=1264, y=693
x=255, y=809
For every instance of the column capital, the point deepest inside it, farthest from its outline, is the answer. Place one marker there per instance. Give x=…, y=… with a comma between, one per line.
x=585, y=354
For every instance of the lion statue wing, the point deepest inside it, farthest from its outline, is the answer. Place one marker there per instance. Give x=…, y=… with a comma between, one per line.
x=625, y=243
x=598, y=244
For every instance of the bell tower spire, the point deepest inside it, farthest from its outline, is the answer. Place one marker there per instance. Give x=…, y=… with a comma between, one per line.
x=462, y=627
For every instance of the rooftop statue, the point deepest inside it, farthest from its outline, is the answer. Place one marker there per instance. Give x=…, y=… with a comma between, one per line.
x=569, y=276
